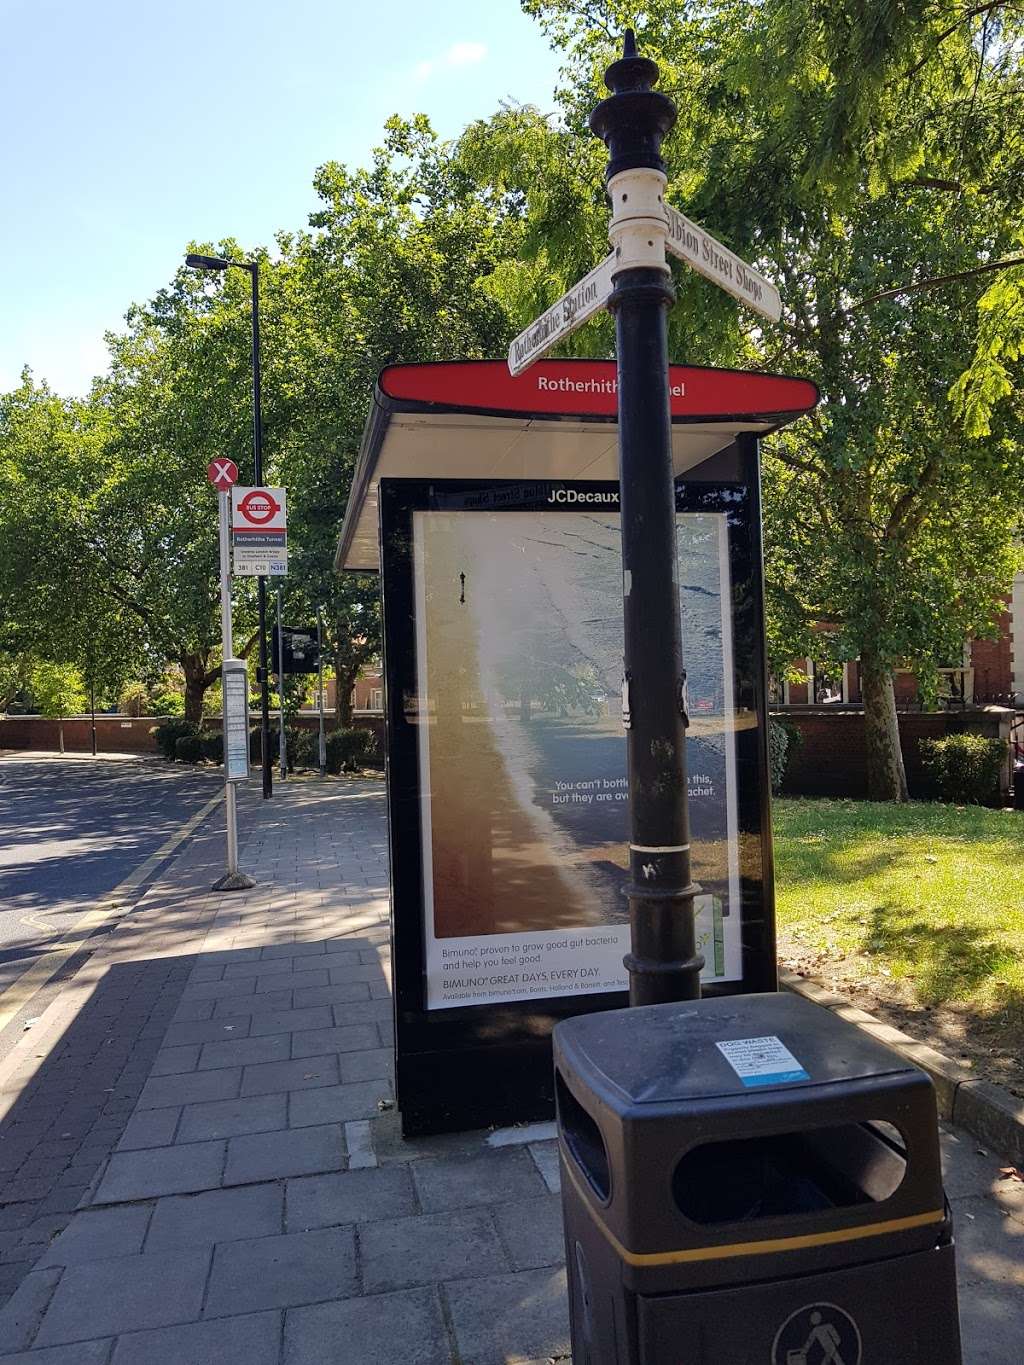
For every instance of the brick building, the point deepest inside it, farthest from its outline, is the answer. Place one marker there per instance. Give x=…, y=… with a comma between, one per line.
x=989, y=671
x=367, y=695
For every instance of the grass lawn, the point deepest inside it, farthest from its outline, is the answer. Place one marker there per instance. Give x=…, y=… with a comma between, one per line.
x=926, y=894
x=919, y=906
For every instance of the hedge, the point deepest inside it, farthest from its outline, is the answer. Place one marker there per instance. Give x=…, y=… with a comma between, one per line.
x=188, y=748
x=168, y=734
x=965, y=768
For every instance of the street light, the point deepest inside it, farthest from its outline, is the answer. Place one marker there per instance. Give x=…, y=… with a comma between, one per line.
x=253, y=267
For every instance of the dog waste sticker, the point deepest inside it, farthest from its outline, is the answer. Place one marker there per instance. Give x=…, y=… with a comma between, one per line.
x=762, y=1061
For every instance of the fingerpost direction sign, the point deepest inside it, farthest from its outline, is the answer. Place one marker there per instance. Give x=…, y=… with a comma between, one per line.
x=685, y=240
x=572, y=310
x=259, y=531
x=721, y=266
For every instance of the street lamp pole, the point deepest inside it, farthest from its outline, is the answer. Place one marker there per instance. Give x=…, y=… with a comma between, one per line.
x=253, y=267
x=663, y=963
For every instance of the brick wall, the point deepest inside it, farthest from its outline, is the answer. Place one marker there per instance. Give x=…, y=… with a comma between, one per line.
x=830, y=759
x=992, y=661
x=122, y=735
x=114, y=734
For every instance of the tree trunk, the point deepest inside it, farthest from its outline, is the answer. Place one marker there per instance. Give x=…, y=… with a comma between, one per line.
x=60, y=729
x=194, y=668
x=887, y=778
x=344, y=681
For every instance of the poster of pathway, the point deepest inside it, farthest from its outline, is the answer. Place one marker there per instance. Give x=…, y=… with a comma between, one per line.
x=519, y=661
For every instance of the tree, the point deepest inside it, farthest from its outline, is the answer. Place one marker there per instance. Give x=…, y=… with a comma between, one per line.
x=14, y=671
x=57, y=691
x=868, y=152
x=391, y=269
x=394, y=269
x=52, y=602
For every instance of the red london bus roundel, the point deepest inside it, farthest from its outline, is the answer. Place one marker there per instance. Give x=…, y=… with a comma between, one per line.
x=259, y=507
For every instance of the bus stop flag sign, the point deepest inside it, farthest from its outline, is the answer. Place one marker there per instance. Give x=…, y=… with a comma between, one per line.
x=259, y=531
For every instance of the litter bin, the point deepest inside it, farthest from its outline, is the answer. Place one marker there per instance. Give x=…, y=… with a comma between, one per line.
x=750, y=1180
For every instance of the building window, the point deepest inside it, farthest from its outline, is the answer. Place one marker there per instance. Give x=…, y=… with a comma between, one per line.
x=828, y=684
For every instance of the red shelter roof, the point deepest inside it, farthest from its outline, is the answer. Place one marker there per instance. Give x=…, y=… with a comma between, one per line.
x=472, y=419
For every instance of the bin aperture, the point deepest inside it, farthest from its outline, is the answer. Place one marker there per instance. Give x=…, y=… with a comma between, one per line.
x=745, y=1179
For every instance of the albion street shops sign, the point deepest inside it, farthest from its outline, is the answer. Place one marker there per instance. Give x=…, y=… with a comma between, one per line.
x=721, y=266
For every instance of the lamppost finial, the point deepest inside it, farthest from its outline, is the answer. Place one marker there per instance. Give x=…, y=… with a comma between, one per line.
x=635, y=117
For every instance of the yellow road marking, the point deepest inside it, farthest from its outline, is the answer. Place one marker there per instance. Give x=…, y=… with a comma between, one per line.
x=18, y=994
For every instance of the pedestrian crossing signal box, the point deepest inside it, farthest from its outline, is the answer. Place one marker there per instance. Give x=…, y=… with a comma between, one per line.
x=489, y=506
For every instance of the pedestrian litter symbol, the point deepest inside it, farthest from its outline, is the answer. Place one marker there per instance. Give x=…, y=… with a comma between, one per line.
x=819, y=1334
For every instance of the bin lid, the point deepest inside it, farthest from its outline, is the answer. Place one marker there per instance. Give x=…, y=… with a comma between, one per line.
x=741, y=1045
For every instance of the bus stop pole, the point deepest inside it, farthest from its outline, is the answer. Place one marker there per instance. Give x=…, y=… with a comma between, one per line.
x=663, y=963
x=282, y=743
x=320, y=689
x=233, y=879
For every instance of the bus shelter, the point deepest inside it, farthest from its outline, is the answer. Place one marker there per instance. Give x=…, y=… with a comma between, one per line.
x=489, y=506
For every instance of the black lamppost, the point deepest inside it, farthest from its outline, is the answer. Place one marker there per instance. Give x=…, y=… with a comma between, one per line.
x=663, y=963
x=253, y=267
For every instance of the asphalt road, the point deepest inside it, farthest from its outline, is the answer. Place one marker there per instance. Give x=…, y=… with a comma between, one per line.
x=73, y=828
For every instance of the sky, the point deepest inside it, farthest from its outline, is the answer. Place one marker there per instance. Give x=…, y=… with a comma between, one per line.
x=129, y=128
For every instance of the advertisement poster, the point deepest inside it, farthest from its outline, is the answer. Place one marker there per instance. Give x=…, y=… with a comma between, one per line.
x=523, y=754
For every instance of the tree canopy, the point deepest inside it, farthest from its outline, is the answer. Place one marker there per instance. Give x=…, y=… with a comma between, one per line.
x=868, y=157
x=389, y=269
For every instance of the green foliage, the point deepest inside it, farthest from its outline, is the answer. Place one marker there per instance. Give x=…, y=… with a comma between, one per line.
x=347, y=750
x=167, y=703
x=57, y=689
x=213, y=746
x=393, y=268
x=168, y=734
x=965, y=768
x=876, y=145
x=778, y=753
x=304, y=748
x=14, y=674
x=188, y=748
x=134, y=699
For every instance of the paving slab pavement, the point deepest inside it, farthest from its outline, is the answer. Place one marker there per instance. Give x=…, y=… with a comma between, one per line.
x=247, y=1196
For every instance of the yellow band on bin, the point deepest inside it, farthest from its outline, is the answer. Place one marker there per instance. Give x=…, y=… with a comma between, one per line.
x=763, y=1248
